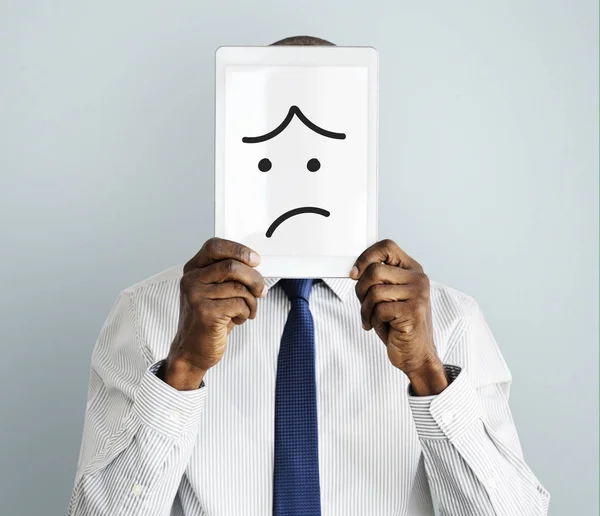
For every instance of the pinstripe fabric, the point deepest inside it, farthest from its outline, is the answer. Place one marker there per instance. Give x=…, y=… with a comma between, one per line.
x=149, y=450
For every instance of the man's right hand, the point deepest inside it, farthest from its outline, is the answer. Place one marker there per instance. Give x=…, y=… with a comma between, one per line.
x=218, y=290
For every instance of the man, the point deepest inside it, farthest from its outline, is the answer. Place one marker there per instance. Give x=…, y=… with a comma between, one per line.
x=215, y=391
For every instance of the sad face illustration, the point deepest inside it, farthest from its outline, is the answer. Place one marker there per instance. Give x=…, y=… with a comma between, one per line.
x=312, y=165
x=293, y=160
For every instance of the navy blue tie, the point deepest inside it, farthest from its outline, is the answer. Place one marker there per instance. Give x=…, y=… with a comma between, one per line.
x=296, y=489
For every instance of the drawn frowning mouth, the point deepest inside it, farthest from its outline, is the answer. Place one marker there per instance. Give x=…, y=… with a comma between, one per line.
x=291, y=213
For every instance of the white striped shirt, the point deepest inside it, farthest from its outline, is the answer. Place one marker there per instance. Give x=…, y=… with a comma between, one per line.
x=148, y=449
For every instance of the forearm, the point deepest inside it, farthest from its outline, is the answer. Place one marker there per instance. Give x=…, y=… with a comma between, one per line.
x=468, y=466
x=142, y=480
x=137, y=467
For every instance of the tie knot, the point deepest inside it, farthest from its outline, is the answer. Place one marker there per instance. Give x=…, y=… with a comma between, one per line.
x=297, y=288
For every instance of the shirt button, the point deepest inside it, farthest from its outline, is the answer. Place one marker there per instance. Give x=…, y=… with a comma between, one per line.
x=447, y=417
x=137, y=489
x=492, y=482
x=175, y=416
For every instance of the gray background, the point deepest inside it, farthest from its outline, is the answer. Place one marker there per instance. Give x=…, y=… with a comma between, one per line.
x=489, y=177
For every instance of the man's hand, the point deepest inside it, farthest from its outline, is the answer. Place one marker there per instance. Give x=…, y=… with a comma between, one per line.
x=218, y=290
x=394, y=294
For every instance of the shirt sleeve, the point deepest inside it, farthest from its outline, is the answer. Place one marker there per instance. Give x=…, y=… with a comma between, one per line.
x=472, y=453
x=139, y=432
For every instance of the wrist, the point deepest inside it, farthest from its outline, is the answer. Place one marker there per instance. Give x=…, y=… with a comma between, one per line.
x=182, y=375
x=430, y=379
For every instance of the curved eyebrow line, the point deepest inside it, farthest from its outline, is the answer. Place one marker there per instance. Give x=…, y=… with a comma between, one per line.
x=294, y=110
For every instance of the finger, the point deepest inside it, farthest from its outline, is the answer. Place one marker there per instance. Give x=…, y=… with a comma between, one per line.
x=235, y=308
x=217, y=249
x=384, y=313
x=380, y=273
x=229, y=290
x=384, y=251
x=232, y=270
x=383, y=294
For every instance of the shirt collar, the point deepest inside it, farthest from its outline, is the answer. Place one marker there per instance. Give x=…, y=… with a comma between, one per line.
x=341, y=287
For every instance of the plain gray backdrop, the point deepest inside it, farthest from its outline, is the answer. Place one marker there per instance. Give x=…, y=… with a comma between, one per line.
x=488, y=177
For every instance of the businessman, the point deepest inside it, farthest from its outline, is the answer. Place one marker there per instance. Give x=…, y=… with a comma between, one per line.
x=214, y=391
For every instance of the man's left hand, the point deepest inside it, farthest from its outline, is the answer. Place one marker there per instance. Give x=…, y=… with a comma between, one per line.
x=394, y=294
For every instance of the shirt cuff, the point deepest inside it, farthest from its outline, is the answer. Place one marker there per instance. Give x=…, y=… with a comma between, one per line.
x=165, y=409
x=446, y=415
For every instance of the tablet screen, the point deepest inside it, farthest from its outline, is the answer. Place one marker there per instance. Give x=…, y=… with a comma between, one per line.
x=295, y=161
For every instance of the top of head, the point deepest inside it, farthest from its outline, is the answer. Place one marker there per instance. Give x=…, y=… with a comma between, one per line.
x=303, y=41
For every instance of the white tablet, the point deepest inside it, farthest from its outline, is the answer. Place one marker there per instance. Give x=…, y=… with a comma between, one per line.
x=296, y=155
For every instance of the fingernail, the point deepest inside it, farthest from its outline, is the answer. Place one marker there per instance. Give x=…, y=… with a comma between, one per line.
x=354, y=272
x=264, y=291
x=254, y=258
x=364, y=327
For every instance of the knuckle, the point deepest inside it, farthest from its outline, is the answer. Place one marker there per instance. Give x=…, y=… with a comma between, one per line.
x=388, y=243
x=376, y=292
x=211, y=245
x=238, y=288
x=184, y=283
x=358, y=288
x=364, y=314
x=245, y=308
x=369, y=273
x=423, y=280
x=242, y=252
x=375, y=270
x=189, y=289
x=188, y=266
x=230, y=265
x=257, y=282
x=378, y=310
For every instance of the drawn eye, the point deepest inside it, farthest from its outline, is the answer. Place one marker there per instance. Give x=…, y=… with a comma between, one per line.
x=313, y=165
x=264, y=165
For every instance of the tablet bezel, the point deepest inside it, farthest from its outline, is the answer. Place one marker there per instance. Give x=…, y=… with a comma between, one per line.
x=300, y=266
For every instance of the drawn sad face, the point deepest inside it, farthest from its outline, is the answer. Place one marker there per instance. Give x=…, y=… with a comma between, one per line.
x=295, y=159
x=312, y=165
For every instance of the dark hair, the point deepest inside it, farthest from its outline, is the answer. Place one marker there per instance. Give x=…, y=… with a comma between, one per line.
x=304, y=40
